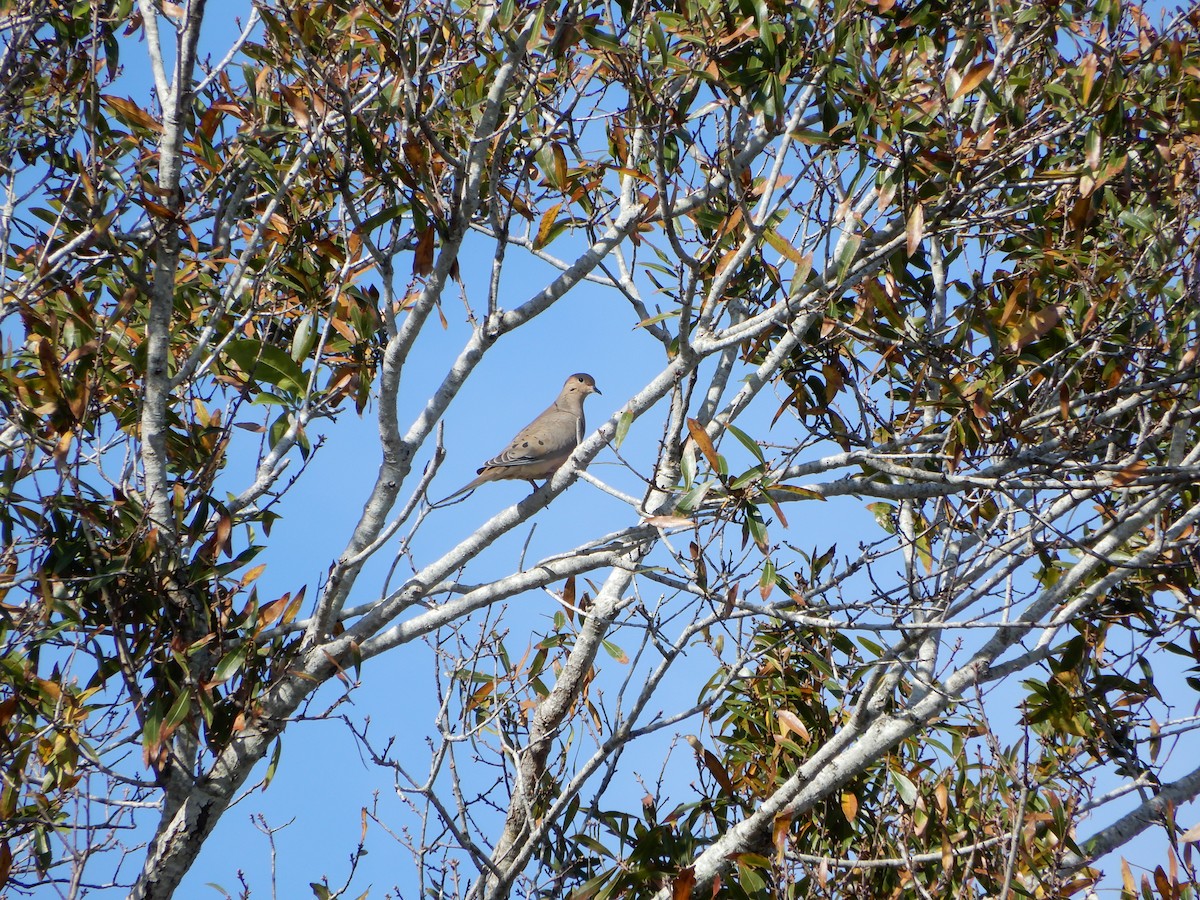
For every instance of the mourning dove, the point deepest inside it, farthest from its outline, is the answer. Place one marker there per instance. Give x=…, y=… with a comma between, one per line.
x=545, y=443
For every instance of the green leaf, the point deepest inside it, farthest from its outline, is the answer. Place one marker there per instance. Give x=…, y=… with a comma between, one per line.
x=265, y=362
x=904, y=787
x=654, y=320
x=623, y=424
x=380, y=218
x=806, y=493
x=615, y=652
x=885, y=515
x=766, y=581
x=749, y=476
x=687, y=465
x=230, y=664
x=846, y=257
x=304, y=340
x=748, y=442
x=178, y=712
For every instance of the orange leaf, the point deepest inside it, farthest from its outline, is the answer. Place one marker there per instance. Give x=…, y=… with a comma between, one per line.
x=252, y=574
x=63, y=445
x=700, y=436
x=132, y=114
x=480, y=695
x=273, y=610
x=779, y=832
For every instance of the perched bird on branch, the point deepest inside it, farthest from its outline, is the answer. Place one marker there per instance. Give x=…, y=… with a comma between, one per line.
x=544, y=444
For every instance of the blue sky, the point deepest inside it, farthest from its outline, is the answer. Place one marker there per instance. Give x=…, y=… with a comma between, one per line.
x=323, y=782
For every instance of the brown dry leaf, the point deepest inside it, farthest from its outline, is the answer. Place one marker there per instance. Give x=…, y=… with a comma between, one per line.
x=560, y=165
x=791, y=722
x=681, y=887
x=915, y=229
x=273, y=610
x=546, y=225
x=296, y=104
x=941, y=796
x=1191, y=835
x=1035, y=326
x=974, y=78
x=1130, y=473
x=718, y=772
x=423, y=255
x=669, y=521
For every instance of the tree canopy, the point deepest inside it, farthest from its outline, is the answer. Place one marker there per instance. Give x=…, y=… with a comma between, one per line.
x=930, y=267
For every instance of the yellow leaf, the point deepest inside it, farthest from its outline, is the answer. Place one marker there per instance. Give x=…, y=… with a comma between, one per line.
x=785, y=248
x=253, y=574
x=849, y=806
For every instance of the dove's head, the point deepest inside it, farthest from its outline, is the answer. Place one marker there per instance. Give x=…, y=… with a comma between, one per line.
x=580, y=385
